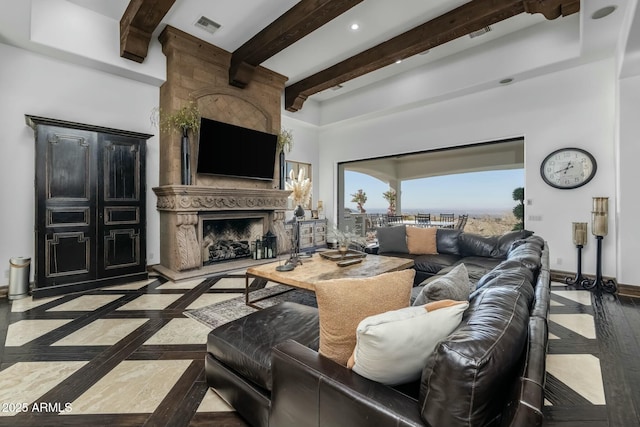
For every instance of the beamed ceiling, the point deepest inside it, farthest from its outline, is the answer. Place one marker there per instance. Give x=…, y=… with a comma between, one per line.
x=446, y=22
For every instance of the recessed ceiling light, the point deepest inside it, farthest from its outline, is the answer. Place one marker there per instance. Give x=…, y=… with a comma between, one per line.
x=354, y=26
x=398, y=61
x=601, y=13
x=506, y=81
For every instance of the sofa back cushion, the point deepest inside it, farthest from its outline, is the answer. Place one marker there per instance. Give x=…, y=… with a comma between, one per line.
x=467, y=378
x=447, y=241
x=492, y=246
x=392, y=239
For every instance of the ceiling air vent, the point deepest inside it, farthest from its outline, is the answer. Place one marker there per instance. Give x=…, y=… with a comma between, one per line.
x=207, y=24
x=480, y=32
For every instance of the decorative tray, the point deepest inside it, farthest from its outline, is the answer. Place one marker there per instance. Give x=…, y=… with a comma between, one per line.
x=337, y=256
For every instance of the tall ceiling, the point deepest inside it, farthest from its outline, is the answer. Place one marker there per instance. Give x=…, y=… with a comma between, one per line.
x=524, y=45
x=378, y=21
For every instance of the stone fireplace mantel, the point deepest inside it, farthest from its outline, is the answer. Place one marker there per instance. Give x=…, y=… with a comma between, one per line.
x=190, y=198
x=181, y=208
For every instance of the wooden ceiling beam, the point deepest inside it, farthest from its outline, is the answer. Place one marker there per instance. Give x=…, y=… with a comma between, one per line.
x=552, y=9
x=137, y=25
x=302, y=19
x=470, y=17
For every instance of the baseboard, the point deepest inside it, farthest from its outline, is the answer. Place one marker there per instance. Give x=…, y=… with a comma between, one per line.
x=628, y=290
x=622, y=289
x=4, y=292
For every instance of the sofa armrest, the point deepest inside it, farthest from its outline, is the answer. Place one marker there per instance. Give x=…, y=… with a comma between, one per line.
x=311, y=390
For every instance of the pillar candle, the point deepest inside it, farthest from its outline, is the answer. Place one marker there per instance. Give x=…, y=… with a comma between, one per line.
x=599, y=223
x=601, y=204
x=580, y=233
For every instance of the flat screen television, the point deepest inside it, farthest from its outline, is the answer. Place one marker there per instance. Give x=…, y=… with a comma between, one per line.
x=226, y=149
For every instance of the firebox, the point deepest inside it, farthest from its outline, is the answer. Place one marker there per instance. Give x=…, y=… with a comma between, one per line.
x=229, y=237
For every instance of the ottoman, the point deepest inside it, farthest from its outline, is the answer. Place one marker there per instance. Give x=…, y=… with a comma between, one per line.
x=239, y=354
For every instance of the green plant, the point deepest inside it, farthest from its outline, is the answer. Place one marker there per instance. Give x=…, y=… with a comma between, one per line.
x=391, y=197
x=285, y=140
x=186, y=118
x=518, y=210
x=360, y=197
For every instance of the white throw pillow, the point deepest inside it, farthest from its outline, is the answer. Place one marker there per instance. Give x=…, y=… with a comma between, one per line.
x=393, y=347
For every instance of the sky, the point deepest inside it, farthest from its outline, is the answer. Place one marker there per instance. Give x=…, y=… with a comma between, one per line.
x=475, y=192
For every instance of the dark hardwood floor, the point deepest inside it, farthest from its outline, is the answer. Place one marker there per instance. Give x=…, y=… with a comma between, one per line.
x=616, y=346
x=127, y=356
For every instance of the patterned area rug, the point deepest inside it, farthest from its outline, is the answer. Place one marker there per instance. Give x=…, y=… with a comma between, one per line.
x=223, y=312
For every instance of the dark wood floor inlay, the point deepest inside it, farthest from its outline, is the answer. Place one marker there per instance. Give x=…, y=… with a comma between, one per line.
x=616, y=346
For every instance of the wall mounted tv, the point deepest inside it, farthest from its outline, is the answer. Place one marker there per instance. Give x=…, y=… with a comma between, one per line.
x=225, y=149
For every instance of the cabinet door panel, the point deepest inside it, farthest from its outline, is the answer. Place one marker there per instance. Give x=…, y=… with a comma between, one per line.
x=122, y=164
x=122, y=210
x=67, y=254
x=122, y=249
x=66, y=163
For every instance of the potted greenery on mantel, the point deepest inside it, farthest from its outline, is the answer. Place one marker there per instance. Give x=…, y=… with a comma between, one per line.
x=184, y=120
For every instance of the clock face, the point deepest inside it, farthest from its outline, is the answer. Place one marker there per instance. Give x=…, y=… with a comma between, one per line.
x=568, y=168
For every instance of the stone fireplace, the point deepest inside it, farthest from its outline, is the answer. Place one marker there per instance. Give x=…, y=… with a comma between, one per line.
x=186, y=210
x=198, y=71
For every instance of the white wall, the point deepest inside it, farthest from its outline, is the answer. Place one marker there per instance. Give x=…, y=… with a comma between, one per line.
x=628, y=209
x=38, y=85
x=572, y=108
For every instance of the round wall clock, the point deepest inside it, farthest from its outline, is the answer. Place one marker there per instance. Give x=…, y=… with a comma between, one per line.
x=568, y=168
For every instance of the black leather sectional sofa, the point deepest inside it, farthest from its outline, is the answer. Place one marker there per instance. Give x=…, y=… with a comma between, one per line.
x=489, y=372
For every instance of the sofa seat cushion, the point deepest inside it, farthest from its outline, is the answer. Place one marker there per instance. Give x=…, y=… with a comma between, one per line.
x=478, y=266
x=244, y=345
x=478, y=363
x=432, y=264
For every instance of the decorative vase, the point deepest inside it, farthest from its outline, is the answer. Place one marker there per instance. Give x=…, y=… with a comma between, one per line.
x=186, y=157
x=283, y=170
x=299, y=212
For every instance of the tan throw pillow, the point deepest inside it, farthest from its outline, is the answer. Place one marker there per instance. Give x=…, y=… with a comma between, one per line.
x=343, y=303
x=422, y=241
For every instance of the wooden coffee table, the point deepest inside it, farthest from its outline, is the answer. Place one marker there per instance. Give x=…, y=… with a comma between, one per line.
x=316, y=268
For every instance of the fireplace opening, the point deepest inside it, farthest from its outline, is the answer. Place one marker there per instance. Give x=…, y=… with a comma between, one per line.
x=229, y=238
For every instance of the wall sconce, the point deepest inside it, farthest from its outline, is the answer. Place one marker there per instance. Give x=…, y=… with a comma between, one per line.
x=600, y=228
x=579, y=239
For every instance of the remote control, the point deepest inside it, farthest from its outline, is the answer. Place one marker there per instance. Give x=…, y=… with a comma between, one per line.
x=349, y=262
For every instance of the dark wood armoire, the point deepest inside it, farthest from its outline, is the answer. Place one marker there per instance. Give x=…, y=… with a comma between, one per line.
x=89, y=206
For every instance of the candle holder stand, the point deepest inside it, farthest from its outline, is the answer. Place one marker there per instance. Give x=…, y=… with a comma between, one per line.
x=599, y=283
x=579, y=277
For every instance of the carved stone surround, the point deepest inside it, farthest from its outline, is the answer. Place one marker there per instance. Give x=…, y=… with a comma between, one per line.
x=180, y=207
